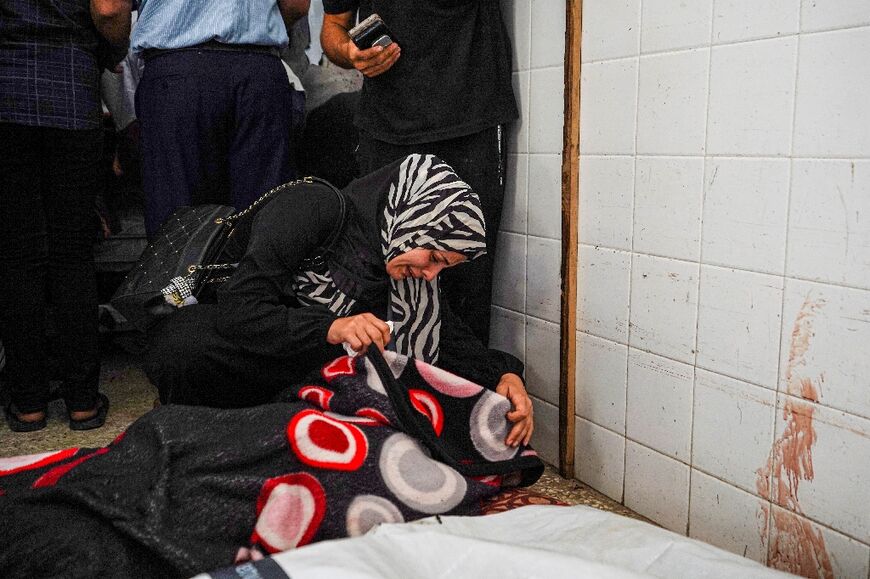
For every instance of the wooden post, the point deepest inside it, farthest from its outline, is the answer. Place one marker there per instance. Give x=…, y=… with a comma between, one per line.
x=570, y=218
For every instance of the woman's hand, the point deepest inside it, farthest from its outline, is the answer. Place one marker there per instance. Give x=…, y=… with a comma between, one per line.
x=511, y=387
x=360, y=331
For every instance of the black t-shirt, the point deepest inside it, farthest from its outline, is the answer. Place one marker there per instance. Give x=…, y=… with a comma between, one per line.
x=453, y=77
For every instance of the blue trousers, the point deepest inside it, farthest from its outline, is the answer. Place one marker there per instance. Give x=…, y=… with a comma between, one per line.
x=216, y=128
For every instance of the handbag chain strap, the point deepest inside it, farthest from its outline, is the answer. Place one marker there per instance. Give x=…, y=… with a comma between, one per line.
x=263, y=198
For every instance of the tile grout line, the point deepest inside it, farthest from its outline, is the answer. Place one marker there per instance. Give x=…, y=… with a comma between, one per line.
x=779, y=368
x=723, y=266
x=700, y=264
x=631, y=252
x=734, y=42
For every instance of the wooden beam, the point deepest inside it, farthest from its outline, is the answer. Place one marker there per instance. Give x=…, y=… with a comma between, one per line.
x=570, y=218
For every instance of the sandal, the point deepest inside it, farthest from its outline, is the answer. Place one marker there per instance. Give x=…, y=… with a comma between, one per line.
x=95, y=421
x=18, y=425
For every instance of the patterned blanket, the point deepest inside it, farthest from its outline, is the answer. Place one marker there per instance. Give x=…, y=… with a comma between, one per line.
x=186, y=489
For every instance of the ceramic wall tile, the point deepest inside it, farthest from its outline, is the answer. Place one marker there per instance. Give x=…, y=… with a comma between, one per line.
x=545, y=438
x=611, y=29
x=546, y=102
x=517, y=20
x=819, y=465
x=608, y=97
x=518, y=136
x=606, y=201
x=603, y=292
x=667, y=213
x=745, y=211
x=543, y=285
x=728, y=518
x=599, y=458
x=672, y=103
x=659, y=402
x=545, y=200
x=831, y=14
x=799, y=546
x=514, y=216
x=738, y=320
x=825, y=337
x=601, y=381
x=657, y=487
x=664, y=305
x=732, y=429
x=542, y=359
x=829, y=222
x=752, y=97
x=509, y=272
x=548, y=33
x=831, y=119
x=508, y=332
x=673, y=24
x=737, y=20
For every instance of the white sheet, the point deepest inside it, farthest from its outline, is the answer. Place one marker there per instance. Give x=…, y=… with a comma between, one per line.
x=549, y=542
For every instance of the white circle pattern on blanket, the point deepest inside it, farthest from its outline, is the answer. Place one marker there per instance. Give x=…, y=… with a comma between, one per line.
x=446, y=382
x=292, y=513
x=489, y=428
x=325, y=442
x=422, y=483
x=373, y=380
x=367, y=511
x=396, y=362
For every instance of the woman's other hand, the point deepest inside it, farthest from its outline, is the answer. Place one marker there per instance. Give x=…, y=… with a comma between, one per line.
x=511, y=387
x=360, y=331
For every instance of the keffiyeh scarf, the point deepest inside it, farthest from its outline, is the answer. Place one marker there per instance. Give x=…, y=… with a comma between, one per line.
x=427, y=206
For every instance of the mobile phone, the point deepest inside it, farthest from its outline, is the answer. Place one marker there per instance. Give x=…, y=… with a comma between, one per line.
x=371, y=32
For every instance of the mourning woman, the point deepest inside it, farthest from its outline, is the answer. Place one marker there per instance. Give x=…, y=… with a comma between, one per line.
x=324, y=268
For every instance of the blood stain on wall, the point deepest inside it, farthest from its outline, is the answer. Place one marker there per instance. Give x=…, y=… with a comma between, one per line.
x=795, y=545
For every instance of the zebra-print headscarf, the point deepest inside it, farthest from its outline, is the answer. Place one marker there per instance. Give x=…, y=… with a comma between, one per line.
x=428, y=206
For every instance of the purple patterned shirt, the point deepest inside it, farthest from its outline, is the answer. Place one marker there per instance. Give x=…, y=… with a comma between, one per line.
x=49, y=76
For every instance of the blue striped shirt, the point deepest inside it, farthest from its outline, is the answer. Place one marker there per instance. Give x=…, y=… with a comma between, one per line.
x=182, y=23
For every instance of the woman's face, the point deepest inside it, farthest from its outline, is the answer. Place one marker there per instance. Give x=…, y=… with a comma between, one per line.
x=422, y=263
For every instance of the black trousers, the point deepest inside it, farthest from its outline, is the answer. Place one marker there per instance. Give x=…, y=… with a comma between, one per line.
x=216, y=128
x=480, y=160
x=49, y=179
x=191, y=362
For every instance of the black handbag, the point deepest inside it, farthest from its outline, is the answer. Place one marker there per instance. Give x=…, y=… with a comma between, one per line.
x=195, y=249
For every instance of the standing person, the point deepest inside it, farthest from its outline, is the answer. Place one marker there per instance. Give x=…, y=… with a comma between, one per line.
x=50, y=172
x=443, y=87
x=214, y=103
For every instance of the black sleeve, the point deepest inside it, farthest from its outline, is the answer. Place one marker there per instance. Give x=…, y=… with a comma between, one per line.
x=340, y=6
x=464, y=354
x=258, y=309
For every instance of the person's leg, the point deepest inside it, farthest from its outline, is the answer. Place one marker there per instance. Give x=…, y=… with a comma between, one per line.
x=191, y=363
x=261, y=142
x=480, y=160
x=23, y=254
x=182, y=105
x=74, y=177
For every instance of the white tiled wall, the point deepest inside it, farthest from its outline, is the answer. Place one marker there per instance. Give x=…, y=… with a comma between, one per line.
x=723, y=363
x=527, y=292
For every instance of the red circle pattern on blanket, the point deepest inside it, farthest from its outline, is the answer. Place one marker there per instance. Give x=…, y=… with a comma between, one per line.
x=325, y=442
x=289, y=512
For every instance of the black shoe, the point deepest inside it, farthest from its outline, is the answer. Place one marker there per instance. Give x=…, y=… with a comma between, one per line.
x=95, y=421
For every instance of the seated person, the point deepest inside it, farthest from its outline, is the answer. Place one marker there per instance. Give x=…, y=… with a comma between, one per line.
x=324, y=268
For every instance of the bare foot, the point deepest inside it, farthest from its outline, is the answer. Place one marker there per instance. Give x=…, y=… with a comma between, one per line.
x=84, y=414
x=31, y=416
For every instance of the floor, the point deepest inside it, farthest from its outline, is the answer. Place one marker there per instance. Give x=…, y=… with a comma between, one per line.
x=132, y=395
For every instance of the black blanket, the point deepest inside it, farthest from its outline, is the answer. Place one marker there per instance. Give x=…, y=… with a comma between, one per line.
x=189, y=489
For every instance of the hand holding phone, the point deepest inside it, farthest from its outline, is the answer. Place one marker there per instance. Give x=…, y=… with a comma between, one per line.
x=371, y=32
